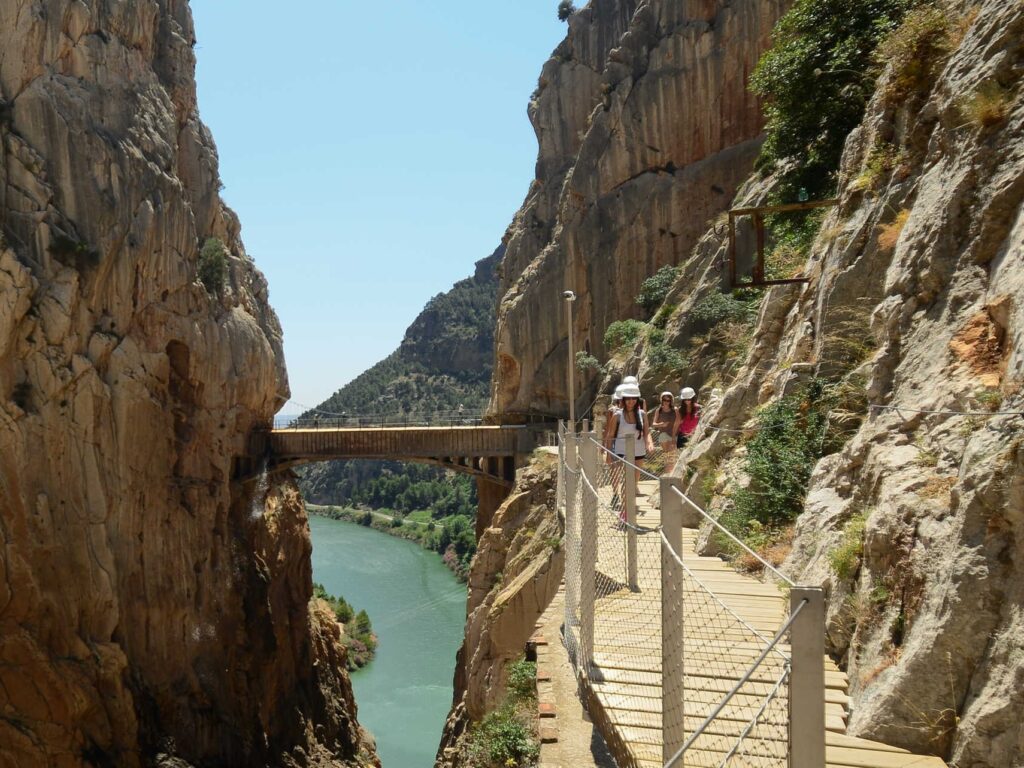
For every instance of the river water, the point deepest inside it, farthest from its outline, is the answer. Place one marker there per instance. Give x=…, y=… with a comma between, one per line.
x=418, y=610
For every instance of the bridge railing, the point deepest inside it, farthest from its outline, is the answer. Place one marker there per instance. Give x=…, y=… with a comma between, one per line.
x=354, y=421
x=659, y=650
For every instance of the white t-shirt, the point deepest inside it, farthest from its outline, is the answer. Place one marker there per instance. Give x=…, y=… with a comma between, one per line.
x=625, y=430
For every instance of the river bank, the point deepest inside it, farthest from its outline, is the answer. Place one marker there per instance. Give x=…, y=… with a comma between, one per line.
x=454, y=542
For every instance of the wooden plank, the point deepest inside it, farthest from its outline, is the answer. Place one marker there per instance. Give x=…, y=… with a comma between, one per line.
x=871, y=758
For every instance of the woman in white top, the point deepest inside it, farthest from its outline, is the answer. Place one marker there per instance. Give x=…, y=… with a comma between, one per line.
x=629, y=422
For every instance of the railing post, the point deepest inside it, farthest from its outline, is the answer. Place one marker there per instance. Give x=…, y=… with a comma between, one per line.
x=807, y=679
x=572, y=541
x=629, y=487
x=588, y=550
x=673, y=728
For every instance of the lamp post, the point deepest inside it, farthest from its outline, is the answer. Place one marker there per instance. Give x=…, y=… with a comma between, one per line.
x=570, y=297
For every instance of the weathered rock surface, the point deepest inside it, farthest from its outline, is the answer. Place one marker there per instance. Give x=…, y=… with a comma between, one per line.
x=152, y=609
x=646, y=128
x=515, y=573
x=916, y=298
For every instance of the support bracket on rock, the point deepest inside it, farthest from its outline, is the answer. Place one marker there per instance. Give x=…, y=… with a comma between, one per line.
x=758, y=268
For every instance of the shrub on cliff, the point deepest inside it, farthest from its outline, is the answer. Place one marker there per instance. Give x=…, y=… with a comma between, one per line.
x=213, y=265
x=358, y=638
x=623, y=333
x=789, y=440
x=565, y=10
x=816, y=80
x=505, y=738
x=655, y=288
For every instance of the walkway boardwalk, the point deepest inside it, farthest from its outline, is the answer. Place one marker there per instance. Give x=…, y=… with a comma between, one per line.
x=624, y=684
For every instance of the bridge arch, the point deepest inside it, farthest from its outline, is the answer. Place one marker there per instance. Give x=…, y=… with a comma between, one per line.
x=489, y=453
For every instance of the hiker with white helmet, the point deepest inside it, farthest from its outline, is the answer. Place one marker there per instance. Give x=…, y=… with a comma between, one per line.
x=664, y=420
x=689, y=415
x=628, y=423
x=633, y=381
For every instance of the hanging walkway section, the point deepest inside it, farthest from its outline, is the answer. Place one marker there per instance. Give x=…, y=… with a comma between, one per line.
x=682, y=660
x=489, y=452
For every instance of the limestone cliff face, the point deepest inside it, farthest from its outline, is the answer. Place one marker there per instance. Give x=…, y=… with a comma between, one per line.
x=916, y=299
x=515, y=574
x=646, y=128
x=151, y=607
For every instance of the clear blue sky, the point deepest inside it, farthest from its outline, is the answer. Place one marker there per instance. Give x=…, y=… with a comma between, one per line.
x=373, y=152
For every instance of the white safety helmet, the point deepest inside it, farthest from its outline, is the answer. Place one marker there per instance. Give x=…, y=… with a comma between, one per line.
x=687, y=393
x=666, y=394
x=617, y=395
x=630, y=390
x=631, y=380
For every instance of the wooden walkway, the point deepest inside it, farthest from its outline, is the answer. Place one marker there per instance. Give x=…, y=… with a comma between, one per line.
x=624, y=690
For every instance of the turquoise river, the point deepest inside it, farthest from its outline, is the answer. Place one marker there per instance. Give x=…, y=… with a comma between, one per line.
x=418, y=609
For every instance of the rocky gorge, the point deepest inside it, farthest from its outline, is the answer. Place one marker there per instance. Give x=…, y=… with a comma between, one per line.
x=906, y=335
x=155, y=602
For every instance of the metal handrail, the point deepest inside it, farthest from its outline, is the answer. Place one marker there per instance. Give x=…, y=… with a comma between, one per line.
x=733, y=538
x=385, y=420
x=704, y=514
x=716, y=598
x=735, y=689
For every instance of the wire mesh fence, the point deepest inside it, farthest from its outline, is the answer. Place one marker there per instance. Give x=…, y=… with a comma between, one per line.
x=679, y=665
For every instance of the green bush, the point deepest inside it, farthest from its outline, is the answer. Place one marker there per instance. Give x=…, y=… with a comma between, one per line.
x=721, y=307
x=358, y=637
x=522, y=680
x=342, y=610
x=661, y=317
x=565, y=10
x=655, y=288
x=623, y=333
x=791, y=235
x=780, y=457
x=213, y=265
x=662, y=356
x=816, y=80
x=589, y=363
x=913, y=49
x=845, y=559
x=503, y=739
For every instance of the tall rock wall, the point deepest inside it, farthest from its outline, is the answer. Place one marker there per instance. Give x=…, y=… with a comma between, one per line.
x=914, y=315
x=646, y=128
x=150, y=604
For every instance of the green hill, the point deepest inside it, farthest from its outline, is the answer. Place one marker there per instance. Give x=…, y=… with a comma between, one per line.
x=444, y=360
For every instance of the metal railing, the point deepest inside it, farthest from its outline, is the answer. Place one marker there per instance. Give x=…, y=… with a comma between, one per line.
x=676, y=671
x=440, y=419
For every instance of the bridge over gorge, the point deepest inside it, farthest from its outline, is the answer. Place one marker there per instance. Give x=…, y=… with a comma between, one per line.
x=681, y=659
x=458, y=442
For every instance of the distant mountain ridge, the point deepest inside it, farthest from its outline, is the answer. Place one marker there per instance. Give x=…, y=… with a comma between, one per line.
x=444, y=361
